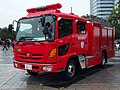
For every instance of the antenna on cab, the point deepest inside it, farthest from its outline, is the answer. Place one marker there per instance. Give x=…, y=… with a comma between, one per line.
x=71, y=9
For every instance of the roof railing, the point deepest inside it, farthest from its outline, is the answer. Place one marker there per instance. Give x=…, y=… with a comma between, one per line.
x=96, y=19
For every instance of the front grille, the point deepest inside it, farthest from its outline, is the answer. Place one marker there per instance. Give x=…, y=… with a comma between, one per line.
x=32, y=56
x=36, y=58
x=37, y=55
x=23, y=56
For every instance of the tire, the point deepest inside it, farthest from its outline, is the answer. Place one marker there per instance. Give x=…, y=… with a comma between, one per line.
x=70, y=70
x=32, y=72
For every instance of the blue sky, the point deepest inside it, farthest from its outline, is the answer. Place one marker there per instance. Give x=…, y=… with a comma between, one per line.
x=14, y=9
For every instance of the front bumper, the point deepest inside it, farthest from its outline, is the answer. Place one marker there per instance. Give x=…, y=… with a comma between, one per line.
x=37, y=67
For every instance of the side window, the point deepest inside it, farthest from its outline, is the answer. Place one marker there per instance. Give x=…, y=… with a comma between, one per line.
x=64, y=27
x=81, y=27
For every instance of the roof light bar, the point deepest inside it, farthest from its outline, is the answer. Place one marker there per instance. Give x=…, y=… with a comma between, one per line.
x=43, y=8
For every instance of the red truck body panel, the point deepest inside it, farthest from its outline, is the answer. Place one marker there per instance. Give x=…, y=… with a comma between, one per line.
x=100, y=38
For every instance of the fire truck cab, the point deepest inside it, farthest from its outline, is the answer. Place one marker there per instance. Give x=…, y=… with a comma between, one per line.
x=48, y=40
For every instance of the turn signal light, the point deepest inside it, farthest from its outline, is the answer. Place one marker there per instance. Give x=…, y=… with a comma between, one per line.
x=53, y=53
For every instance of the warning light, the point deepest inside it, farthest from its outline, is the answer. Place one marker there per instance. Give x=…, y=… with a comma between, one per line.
x=44, y=8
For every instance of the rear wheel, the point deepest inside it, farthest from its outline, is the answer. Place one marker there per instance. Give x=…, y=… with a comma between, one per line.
x=32, y=72
x=70, y=70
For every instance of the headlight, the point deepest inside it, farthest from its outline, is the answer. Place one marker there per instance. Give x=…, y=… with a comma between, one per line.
x=47, y=68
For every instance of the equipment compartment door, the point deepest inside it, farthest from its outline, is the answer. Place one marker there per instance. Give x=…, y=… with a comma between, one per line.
x=97, y=46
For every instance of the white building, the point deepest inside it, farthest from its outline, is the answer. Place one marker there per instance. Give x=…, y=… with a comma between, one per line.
x=101, y=8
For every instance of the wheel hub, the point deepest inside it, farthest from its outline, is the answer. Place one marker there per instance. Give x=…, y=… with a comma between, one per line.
x=71, y=70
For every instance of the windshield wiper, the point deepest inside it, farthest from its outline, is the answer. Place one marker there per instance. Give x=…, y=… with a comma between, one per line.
x=21, y=38
x=25, y=38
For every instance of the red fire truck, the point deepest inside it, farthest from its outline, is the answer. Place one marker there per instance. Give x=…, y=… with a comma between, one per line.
x=48, y=40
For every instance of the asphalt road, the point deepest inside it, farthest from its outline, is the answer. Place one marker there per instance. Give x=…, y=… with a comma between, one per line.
x=89, y=79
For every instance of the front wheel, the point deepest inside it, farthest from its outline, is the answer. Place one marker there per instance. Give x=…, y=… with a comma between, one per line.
x=70, y=70
x=32, y=72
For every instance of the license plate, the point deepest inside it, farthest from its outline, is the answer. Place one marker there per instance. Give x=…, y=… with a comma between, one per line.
x=28, y=66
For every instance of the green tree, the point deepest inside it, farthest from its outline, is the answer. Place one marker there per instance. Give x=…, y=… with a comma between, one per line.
x=114, y=19
x=5, y=34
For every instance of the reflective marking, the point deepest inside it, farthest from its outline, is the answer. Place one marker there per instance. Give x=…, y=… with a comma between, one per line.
x=82, y=44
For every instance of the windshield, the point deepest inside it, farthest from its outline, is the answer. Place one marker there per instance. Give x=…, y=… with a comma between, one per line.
x=35, y=29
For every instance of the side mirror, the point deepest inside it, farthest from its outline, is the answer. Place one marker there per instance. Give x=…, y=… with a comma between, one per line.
x=10, y=28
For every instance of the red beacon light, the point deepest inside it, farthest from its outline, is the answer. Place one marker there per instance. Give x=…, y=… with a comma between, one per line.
x=44, y=8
